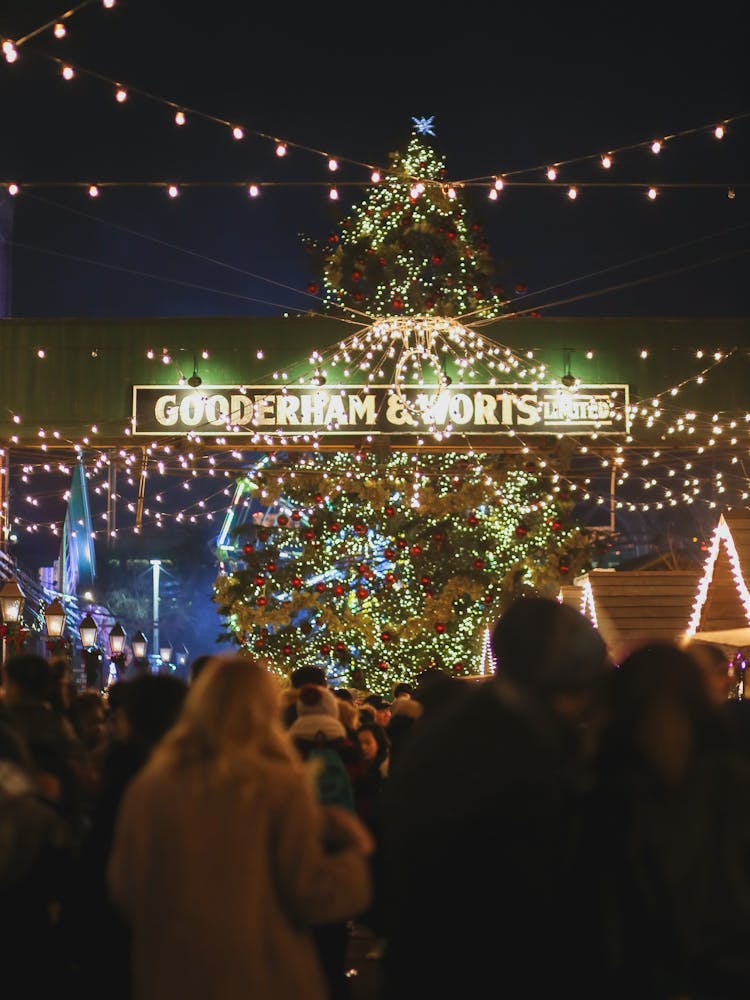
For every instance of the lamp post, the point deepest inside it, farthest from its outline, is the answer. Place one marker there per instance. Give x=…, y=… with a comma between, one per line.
x=117, y=648
x=89, y=630
x=12, y=601
x=139, y=644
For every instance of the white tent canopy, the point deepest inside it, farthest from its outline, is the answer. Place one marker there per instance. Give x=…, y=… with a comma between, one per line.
x=734, y=637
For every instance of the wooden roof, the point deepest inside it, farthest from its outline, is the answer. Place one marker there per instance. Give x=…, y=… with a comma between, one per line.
x=723, y=597
x=632, y=606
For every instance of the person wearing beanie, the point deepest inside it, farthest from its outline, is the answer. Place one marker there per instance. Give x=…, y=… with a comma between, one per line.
x=309, y=673
x=488, y=794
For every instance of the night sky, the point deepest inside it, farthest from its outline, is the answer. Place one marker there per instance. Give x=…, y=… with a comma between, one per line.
x=510, y=91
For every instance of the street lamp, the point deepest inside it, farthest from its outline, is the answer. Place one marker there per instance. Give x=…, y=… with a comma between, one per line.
x=165, y=652
x=54, y=619
x=88, y=630
x=12, y=601
x=117, y=646
x=140, y=645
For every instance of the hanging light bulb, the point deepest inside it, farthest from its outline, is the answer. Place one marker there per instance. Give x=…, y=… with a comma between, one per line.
x=13, y=189
x=333, y=194
x=333, y=164
x=281, y=149
x=9, y=51
x=179, y=118
x=253, y=190
x=572, y=193
x=551, y=173
x=719, y=132
x=68, y=72
x=238, y=133
x=375, y=177
x=499, y=183
x=93, y=191
x=121, y=95
x=656, y=147
x=606, y=161
x=173, y=190
x=652, y=193
x=492, y=194
x=59, y=30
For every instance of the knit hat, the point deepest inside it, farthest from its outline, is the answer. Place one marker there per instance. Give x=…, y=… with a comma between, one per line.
x=315, y=700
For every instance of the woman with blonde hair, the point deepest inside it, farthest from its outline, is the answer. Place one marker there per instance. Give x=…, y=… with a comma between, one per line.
x=218, y=861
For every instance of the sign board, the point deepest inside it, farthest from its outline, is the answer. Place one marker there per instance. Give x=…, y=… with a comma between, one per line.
x=366, y=409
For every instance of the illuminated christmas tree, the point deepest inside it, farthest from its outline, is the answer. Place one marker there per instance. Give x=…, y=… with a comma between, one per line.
x=409, y=248
x=378, y=564
x=378, y=568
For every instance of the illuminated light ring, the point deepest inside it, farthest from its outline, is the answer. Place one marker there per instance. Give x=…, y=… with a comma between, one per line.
x=420, y=337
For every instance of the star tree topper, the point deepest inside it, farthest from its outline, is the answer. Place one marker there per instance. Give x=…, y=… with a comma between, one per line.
x=424, y=126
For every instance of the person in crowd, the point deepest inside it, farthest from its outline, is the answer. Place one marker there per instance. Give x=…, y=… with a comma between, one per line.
x=218, y=861
x=319, y=734
x=348, y=713
x=715, y=668
x=664, y=881
x=147, y=707
x=403, y=690
x=366, y=713
x=35, y=860
x=196, y=665
x=307, y=674
x=382, y=708
x=58, y=756
x=478, y=817
x=405, y=712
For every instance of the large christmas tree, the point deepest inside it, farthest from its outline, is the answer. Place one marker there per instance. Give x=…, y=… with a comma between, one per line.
x=409, y=248
x=379, y=563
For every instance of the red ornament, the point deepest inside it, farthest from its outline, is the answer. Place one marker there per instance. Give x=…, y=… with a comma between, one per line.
x=398, y=303
x=416, y=550
x=389, y=554
x=363, y=569
x=390, y=579
x=522, y=530
x=458, y=667
x=520, y=288
x=426, y=581
x=296, y=582
x=440, y=627
x=556, y=525
x=436, y=259
x=261, y=601
x=312, y=288
x=382, y=261
x=360, y=529
x=338, y=589
x=438, y=537
x=386, y=636
x=356, y=275
x=248, y=548
x=451, y=235
x=335, y=526
x=488, y=598
x=259, y=643
x=309, y=534
x=306, y=628
x=320, y=587
x=259, y=581
x=383, y=665
x=286, y=650
x=325, y=648
x=563, y=566
x=333, y=238
x=472, y=519
x=390, y=511
x=282, y=520
x=401, y=543
x=362, y=593
x=340, y=647
x=271, y=567
x=478, y=564
x=318, y=498
x=296, y=516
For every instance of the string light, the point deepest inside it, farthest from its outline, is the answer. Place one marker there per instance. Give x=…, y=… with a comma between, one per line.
x=179, y=118
x=253, y=190
x=551, y=174
x=237, y=132
x=59, y=31
x=121, y=95
x=572, y=193
x=68, y=72
x=173, y=191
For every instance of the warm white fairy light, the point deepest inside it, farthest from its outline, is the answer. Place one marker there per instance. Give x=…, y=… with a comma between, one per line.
x=121, y=95
x=333, y=194
x=173, y=190
x=719, y=132
x=93, y=191
x=656, y=147
x=551, y=173
x=722, y=534
x=652, y=193
x=68, y=72
x=499, y=183
x=108, y=4
x=572, y=193
x=253, y=190
x=179, y=118
x=375, y=177
x=281, y=149
x=333, y=164
x=9, y=51
x=59, y=31
x=606, y=161
x=492, y=194
x=13, y=189
x=238, y=132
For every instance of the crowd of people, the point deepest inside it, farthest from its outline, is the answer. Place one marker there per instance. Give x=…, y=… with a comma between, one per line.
x=566, y=826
